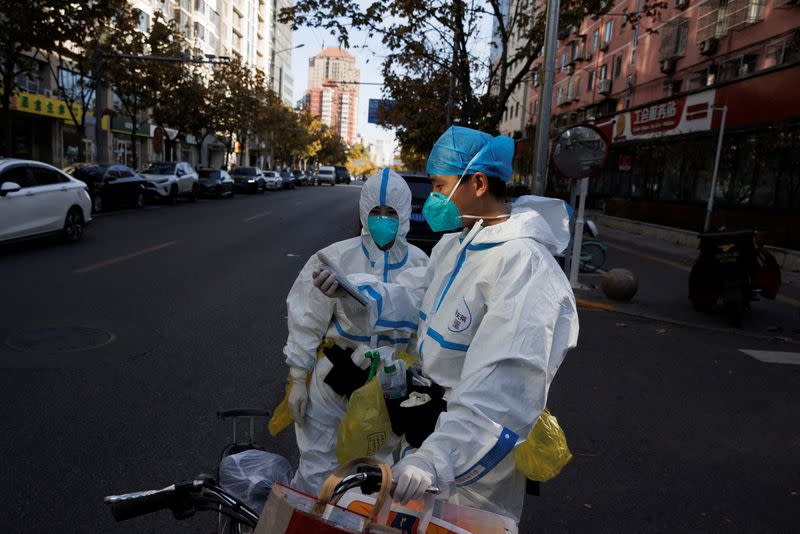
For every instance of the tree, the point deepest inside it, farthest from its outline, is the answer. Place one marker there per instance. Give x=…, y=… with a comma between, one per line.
x=432, y=70
x=22, y=31
x=359, y=162
x=130, y=77
x=332, y=151
x=173, y=91
x=80, y=31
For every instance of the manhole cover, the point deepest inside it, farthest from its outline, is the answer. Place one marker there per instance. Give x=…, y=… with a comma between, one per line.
x=59, y=339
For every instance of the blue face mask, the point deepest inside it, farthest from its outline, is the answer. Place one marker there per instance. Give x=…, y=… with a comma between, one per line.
x=441, y=213
x=383, y=228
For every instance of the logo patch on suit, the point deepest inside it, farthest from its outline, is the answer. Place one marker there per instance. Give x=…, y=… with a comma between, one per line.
x=462, y=319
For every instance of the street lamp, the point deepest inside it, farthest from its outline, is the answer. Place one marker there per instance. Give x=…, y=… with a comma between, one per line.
x=272, y=68
x=710, y=205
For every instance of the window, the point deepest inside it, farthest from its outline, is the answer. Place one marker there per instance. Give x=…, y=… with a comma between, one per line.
x=144, y=21
x=608, y=33
x=125, y=172
x=560, y=96
x=673, y=42
x=604, y=71
x=617, y=67
x=577, y=92
x=595, y=40
x=634, y=44
x=19, y=175
x=564, y=60
x=672, y=87
x=590, y=81
x=43, y=176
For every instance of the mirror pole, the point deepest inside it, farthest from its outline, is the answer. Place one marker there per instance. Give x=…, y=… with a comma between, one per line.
x=541, y=154
x=710, y=205
x=577, y=241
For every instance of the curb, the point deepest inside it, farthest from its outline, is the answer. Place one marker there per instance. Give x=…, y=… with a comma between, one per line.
x=593, y=305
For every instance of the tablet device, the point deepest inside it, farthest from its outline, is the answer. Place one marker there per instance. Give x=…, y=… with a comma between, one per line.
x=344, y=283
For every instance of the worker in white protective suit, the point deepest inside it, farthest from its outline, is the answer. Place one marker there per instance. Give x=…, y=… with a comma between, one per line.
x=496, y=321
x=382, y=251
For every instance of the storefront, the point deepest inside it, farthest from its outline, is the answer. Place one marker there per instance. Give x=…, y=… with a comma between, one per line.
x=133, y=151
x=662, y=158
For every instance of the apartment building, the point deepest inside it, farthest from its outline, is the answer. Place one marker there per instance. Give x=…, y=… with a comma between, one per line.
x=213, y=27
x=657, y=91
x=515, y=118
x=333, y=91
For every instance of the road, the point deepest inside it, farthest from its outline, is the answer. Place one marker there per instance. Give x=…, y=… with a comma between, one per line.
x=673, y=428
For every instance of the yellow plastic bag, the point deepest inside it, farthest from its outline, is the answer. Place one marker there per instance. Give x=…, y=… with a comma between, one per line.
x=366, y=425
x=545, y=453
x=282, y=416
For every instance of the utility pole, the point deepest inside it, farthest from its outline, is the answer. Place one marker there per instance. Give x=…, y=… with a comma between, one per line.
x=542, y=153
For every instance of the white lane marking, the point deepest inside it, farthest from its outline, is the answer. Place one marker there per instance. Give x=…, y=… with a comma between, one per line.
x=119, y=259
x=257, y=216
x=774, y=356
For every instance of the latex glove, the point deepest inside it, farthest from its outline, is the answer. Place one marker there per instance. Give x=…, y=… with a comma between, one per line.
x=298, y=395
x=413, y=476
x=325, y=281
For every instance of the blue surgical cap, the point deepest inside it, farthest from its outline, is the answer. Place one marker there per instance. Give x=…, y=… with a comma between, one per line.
x=458, y=146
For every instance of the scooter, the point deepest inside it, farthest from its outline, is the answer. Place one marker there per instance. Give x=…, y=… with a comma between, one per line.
x=733, y=268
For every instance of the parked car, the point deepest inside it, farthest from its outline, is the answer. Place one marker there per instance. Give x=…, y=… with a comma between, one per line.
x=249, y=179
x=111, y=185
x=288, y=179
x=273, y=180
x=419, y=232
x=169, y=180
x=37, y=199
x=215, y=183
x=300, y=177
x=326, y=174
x=342, y=175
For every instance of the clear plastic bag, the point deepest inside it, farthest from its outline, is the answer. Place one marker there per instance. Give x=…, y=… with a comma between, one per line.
x=250, y=475
x=545, y=453
x=366, y=425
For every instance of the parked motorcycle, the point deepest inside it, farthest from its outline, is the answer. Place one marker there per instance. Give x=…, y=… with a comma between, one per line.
x=733, y=268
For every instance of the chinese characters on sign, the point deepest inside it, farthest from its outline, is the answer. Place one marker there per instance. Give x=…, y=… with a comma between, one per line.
x=658, y=117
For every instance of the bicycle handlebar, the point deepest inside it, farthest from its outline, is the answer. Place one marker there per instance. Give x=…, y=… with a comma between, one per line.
x=130, y=505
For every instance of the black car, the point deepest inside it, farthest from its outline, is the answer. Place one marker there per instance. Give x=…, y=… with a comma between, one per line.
x=112, y=186
x=249, y=179
x=300, y=177
x=288, y=179
x=215, y=183
x=342, y=176
x=420, y=233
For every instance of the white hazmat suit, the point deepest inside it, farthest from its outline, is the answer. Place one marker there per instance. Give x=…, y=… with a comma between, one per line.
x=313, y=317
x=495, y=323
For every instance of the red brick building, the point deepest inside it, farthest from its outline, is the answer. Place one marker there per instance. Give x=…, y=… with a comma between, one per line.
x=657, y=95
x=331, y=95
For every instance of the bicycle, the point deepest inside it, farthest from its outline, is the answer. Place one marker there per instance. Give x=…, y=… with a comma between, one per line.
x=205, y=493
x=593, y=256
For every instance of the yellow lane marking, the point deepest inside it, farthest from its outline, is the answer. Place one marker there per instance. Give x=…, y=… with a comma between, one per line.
x=592, y=305
x=119, y=259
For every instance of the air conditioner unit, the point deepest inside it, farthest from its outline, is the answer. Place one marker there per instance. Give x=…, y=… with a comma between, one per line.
x=604, y=87
x=681, y=4
x=604, y=46
x=709, y=46
x=668, y=66
x=571, y=69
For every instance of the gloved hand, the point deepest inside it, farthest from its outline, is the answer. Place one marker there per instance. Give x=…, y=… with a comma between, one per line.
x=325, y=281
x=413, y=476
x=298, y=395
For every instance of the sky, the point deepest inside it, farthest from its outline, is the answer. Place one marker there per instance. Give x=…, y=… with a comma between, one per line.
x=367, y=61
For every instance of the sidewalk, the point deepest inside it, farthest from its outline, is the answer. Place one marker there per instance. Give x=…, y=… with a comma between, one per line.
x=663, y=272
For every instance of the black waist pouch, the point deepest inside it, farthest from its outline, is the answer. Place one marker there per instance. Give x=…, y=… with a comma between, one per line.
x=418, y=422
x=345, y=377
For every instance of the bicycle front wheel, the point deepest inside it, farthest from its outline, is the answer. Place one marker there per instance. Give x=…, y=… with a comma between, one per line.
x=593, y=256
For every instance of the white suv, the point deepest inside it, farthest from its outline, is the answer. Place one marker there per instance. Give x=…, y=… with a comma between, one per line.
x=36, y=199
x=326, y=174
x=168, y=180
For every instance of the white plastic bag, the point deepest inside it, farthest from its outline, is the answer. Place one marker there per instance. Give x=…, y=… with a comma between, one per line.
x=250, y=475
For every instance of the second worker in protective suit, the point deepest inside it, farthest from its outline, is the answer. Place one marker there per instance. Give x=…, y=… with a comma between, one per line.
x=319, y=404
x=495, y=322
